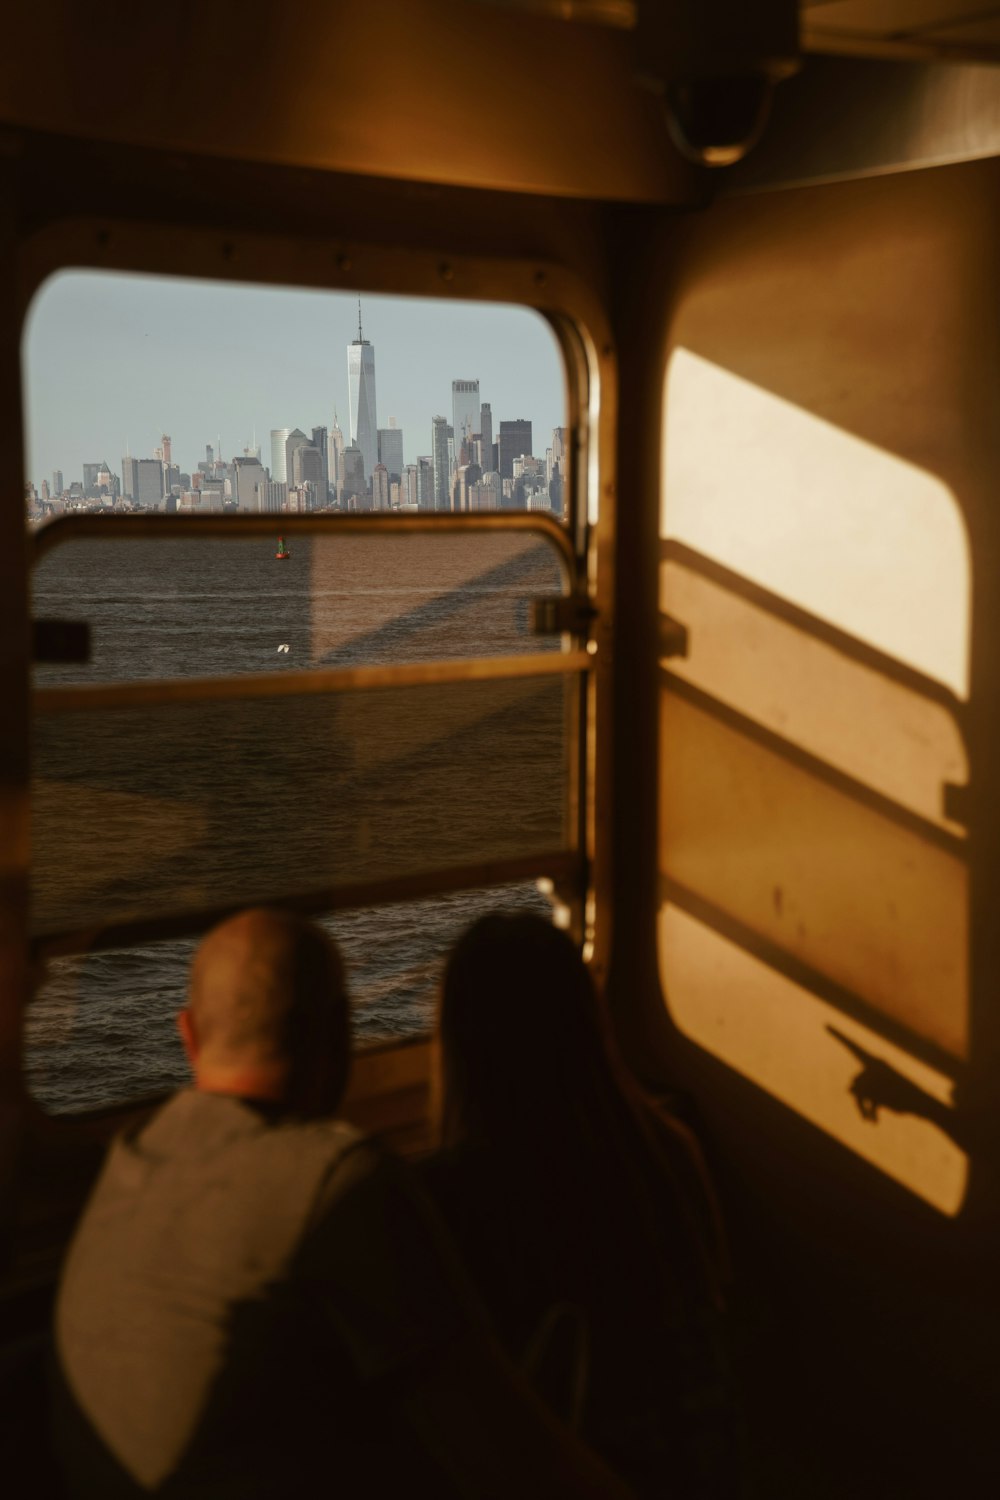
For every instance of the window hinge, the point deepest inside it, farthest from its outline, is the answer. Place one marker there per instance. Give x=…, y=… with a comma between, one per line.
x=570, y=613
x=60, y=641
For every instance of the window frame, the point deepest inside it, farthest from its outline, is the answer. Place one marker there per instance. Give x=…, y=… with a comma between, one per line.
x=584, y=540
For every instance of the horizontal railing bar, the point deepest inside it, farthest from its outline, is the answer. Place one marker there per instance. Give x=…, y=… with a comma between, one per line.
x=82, y=697
x=560, y=864
x=78, y=527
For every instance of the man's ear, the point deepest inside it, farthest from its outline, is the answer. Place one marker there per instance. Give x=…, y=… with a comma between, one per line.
x=185, y=1025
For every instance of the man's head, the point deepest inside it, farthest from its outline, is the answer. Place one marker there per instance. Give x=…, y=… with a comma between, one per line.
x=268, y=1014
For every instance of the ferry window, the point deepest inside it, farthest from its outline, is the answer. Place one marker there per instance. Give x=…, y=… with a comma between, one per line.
x=347, y=703
x=171, y=395
x=814, y=897
x=102, y=1027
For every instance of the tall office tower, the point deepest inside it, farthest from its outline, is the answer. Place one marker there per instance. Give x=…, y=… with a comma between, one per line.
x=380, y=487
x=248, y=477
x=464, y=416
x=319, y=440
x=90, y=473
x=486, y=435
x=390, y=448
x=560, y=447
x=295, y=439
x=439, y=453
x=335, y=453
x=57, y=482
x=279, y=466
x=354, y=473
x=149, y=482
x=306, y=465
x=556, y=489
x=361, y=390
x=108, y=482
x=425, y=482
x=409, y=487
x=515, y=440
x=130, y=477
x=165, y=440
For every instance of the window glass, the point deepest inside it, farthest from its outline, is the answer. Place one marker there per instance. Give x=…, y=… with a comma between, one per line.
x=162, y=397
x=200, y=607
x=165, y=394
x=102, y=1027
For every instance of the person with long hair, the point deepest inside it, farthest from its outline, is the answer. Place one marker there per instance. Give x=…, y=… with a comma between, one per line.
x=584, y=1214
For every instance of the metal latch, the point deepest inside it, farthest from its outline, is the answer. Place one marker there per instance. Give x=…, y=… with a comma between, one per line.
x=60, y=640
x=573, y=614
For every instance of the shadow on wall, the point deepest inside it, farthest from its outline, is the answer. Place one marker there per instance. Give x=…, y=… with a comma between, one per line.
x=814, y=879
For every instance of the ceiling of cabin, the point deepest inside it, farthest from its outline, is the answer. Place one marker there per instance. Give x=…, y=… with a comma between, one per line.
x=902, y=28
x=953, y=29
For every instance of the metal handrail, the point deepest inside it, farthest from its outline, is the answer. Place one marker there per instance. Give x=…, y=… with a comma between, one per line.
x=82, y=697
x=559, y=865
x=139, y=524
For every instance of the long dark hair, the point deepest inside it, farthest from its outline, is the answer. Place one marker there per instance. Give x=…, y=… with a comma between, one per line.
x=531, y=1074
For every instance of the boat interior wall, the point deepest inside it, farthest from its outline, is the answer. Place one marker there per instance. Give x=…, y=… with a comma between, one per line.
x=852, y=329
x=320, y=107
x=902, y=28
x=854, y=117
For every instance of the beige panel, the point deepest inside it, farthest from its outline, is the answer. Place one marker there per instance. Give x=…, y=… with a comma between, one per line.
x=867, y=902
x=775, y=1033
x=982, y=33
x=868, y=542
x=782, y=670
x=886, y=17
x=354, y=88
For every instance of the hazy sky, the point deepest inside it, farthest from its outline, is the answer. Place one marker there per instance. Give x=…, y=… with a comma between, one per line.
x=110, y=359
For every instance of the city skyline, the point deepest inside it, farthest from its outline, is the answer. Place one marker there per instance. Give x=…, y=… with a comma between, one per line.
x=103, y=354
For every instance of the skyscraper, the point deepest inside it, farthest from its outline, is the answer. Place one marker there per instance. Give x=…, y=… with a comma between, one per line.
x=335, y=458
x=464, y=416
x=321, y=441
x=279, y=465
x=425, y=482
x=130, y=477
x=390, y=448
x=380, y=487
x=486, y=433
x=515, y=440
x=57, y=482
x=248, y=478
x=361, y=390
x=295, y=439
x=149, y=482
x=354, y=474
x=439, y=454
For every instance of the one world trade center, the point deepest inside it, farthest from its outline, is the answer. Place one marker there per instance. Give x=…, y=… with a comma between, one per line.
x=361, y=389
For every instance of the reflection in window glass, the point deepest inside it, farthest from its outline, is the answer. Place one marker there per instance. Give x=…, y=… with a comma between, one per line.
x=162, y=607
x=138, y=812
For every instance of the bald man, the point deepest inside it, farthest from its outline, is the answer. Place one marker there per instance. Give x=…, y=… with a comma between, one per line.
x=258, y=1301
